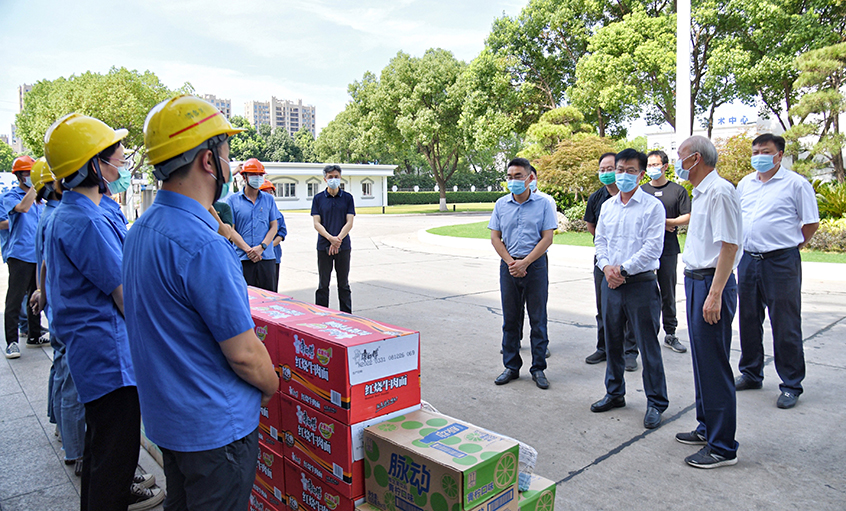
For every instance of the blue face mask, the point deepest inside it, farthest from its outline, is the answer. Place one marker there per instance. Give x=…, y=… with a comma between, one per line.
x=654, y=172
x=627, y=182
x=121, y=184
x=516, y=186
x=533, y=186
x=333, y=183
x=27, y=182
x=763, y=162
x=255, y=181
x=681, y=172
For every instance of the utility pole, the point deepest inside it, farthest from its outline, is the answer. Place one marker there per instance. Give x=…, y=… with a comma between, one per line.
x=683, y=113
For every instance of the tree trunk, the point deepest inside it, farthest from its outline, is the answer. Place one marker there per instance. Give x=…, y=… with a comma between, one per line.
x=439, y=178
x=600, y=121
x=837, y=157
x=711, y=119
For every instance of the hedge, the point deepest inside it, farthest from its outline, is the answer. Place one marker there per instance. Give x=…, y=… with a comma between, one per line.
x=396, y=198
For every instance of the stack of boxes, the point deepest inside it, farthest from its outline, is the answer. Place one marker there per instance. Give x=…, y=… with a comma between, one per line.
x=339, y=374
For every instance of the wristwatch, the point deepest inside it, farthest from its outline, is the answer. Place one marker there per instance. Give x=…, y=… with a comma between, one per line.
x=623, y=271
x=264, y=246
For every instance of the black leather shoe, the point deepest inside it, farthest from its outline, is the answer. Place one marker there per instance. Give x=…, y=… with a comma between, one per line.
x=652, y=419
x=631, y=364
x=540, y=380
x=595, y=357
x=607, y=403
x=548, y=354
x=507, y=376
x=785, y=401
x=743, y=382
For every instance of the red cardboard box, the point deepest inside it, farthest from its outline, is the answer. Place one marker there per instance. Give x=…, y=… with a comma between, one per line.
x=307, y=493
x=270, y=423
x=326, y=447
x=349, y=367
x=259, y=295
x=257, y=503
x=270, y=476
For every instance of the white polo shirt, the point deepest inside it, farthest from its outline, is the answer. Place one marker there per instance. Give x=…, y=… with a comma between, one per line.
x=714, y=219
x=631, y=235
x=774, y=212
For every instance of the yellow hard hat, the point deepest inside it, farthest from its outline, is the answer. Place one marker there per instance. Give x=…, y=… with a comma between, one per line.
x=73, y=140
x=40, y=174
x=177, y=129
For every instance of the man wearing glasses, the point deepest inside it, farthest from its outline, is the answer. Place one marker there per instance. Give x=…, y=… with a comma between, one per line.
x=629, y=241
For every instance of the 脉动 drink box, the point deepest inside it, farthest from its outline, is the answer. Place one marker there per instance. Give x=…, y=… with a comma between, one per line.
x=308, y=493
x=326, y=447
x=506, y=500
x=540, y=496
x=270, y=476
x=348, y=367
x=432, y=462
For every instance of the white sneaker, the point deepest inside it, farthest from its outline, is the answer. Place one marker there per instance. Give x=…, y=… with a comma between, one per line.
x=13, y=351
x=145, y=480
x=145, y=498
x=44, y=340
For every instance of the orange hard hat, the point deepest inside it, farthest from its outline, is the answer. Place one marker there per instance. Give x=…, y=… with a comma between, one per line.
x=23, y=164
x=267, y=186
x=253, y=166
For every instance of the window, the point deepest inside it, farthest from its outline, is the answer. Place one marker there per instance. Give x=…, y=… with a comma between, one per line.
x=286, y=190
x=366, y=189
x=313, y=188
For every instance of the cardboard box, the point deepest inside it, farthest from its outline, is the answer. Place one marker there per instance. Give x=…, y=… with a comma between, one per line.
x=257, y=503
x=506, y=500
x=308, y=493
x=326, y=447
x=259, y=295
x=540, y=496
x=271, y=313
x=270, y=476
x=350, y=367
x=270, y=423
x=432, y=462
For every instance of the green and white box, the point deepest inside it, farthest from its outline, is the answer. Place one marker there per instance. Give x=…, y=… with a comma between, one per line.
x=425, y=461
x=540, y=496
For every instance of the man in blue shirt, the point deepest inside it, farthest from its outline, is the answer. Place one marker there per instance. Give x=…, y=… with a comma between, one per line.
x=255, y=222
x=19, y=204
x=521, y=227
x=281, y=232
x=202, y=372
x=83, y=256
x=333, y=212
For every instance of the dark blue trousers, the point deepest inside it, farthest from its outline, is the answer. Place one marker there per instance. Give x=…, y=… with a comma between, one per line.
x=710, y=347
x=639, y=305
x=629, y=339
x=535, y=288
x=774, y=283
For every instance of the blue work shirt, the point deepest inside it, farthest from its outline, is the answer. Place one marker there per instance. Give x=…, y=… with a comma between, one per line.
x=185, y=293
x=281, y=232
x=115, y=216
x=252, y=221
x=83, y=269
x=333, y=211
x=40, y=247
x=4, y=234
x=522, y=225
x=21, y=244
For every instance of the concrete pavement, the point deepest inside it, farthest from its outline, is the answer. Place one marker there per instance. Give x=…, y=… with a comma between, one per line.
x=448, y=289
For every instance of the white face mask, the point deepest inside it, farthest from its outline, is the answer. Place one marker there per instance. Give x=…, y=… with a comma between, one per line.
x=333, y=183
x=255, y=181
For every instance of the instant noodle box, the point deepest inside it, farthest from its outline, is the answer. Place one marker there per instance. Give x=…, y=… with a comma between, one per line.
x=259, y=295
x=270, y=476
x=349, y=367
x=270, y=422
x=257, y=503
x=308, y=493
x=431, y=462
x=540, y=496
x=271, y=314
x=326, y=447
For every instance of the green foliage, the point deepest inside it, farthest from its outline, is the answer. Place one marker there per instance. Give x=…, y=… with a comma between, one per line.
x=831, y=199
x=7, y=157
x=553, y=127
x=121, y=98
x=574, y=165
x=270, y=145
x=304, y=140
x=830, y=237
x=734, y=160
x=821, y=79
x=638, y=143
x=395, y=198
x=563, y=198
x=575, y=217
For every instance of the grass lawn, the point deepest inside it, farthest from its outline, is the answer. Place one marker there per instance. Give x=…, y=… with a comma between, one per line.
x=425, y=208
x=583, y=239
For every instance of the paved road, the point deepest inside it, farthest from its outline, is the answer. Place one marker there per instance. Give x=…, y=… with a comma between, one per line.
x=448, y=289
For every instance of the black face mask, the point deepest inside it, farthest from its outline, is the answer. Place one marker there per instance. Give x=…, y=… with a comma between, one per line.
x=218, y=186
x=102, y=186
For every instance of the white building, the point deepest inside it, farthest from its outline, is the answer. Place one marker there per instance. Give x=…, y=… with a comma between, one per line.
x=297, y=183
x=292, y=116
x=257, y=113
x=224, y=105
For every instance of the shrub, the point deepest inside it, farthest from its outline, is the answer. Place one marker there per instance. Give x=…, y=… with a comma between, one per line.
x=575, y=215
x=735, y=157
x=396, y=198
x=830, y=237
x=831, y=199
x=575, y=164
x=563, y=198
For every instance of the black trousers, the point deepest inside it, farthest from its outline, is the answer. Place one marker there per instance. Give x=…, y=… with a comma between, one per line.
x=341, y=262
x=21, y=284
x=276, y=280
x=112, y=441
x=214, y=480
x=261, y=274
x=629, y=343
x=667, y=280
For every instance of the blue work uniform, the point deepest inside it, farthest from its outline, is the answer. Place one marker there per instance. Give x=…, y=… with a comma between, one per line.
x=84, y=261
x=185, y=294
x=114, y=215
x=21, y=244
x=281, y=232
x=252, y=220
x=4, y=234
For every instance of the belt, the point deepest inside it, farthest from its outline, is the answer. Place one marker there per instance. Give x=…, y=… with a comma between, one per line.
x=643, y=276
x=700, y=274
x=766, y=255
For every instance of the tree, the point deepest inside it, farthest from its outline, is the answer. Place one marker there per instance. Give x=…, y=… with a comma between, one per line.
x=305, y=141
x=121, y=98
x=821, y=80
x=280, y=146
x=247, y=144
x=574, y=164
x=7, y=157
x=553, y=127
x=734, y=160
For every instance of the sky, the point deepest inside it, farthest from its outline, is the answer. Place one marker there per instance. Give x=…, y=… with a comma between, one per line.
x=242, y=50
